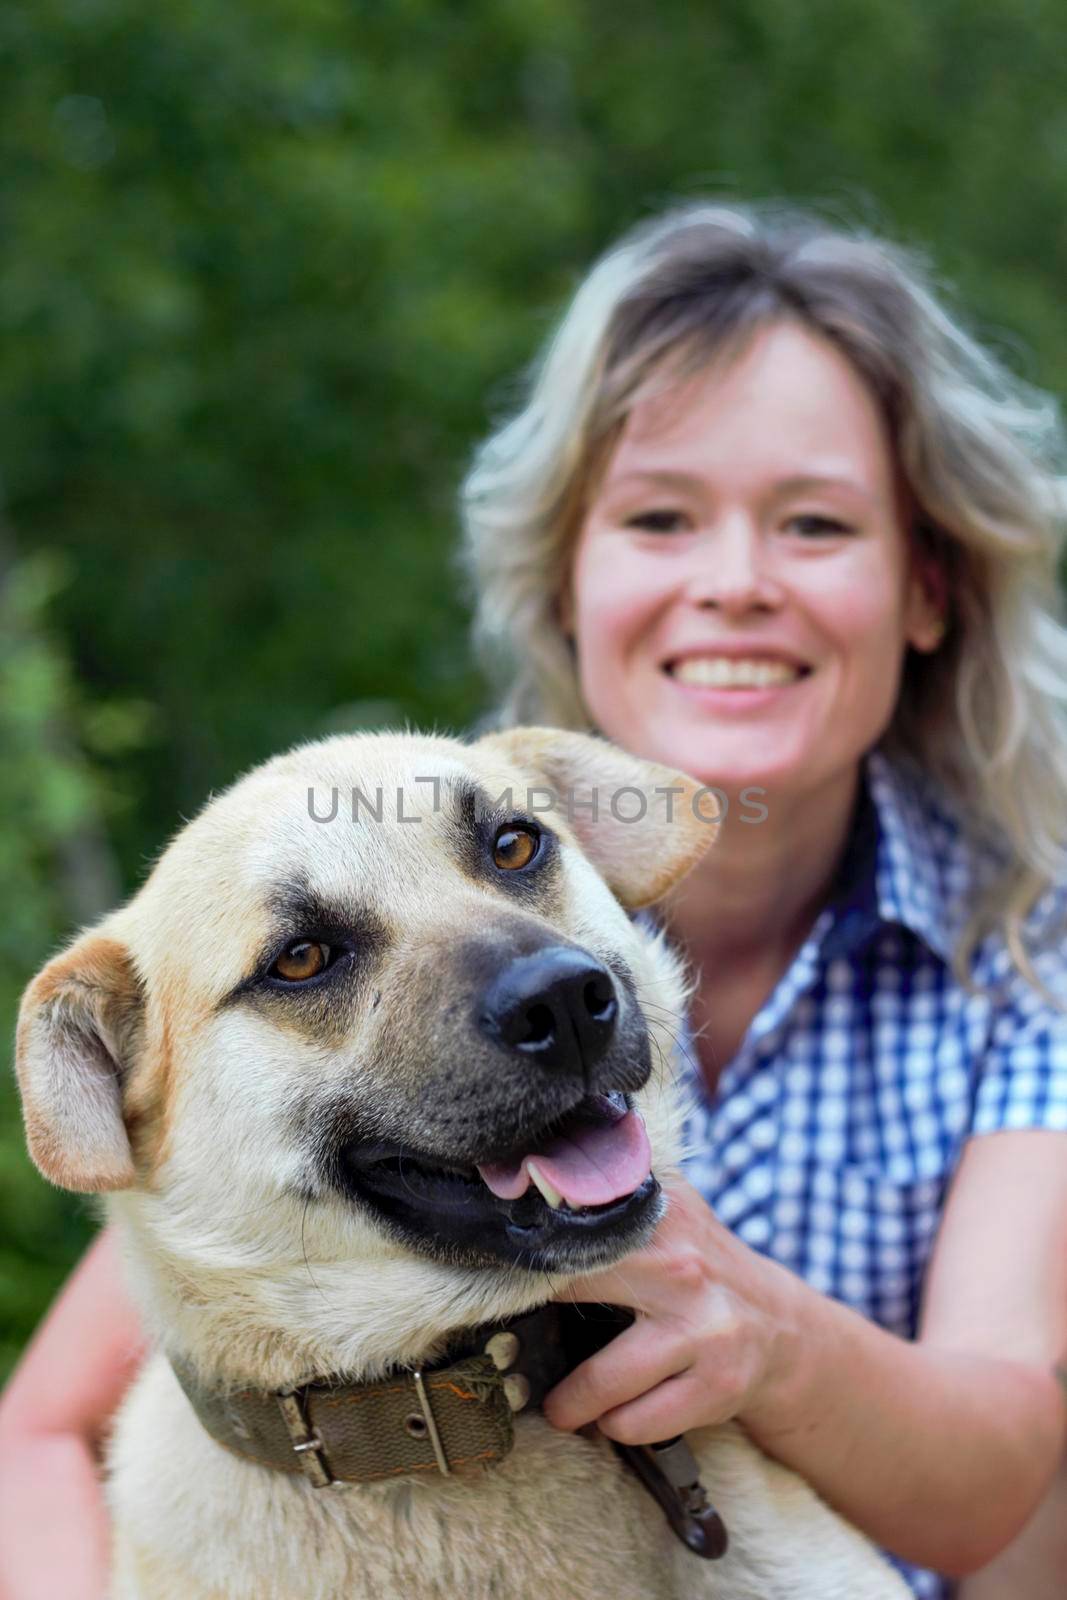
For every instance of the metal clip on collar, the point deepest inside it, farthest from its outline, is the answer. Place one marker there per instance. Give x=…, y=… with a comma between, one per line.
x=669, y=1472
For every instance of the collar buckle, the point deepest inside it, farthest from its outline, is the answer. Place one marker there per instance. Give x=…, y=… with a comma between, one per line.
x=429, y=1429
x=307, y=1446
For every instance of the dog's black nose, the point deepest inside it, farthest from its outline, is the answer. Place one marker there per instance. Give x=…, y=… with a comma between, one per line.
x=557, y=1007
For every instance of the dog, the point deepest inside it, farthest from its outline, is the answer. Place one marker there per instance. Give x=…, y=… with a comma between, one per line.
x=379, y=1055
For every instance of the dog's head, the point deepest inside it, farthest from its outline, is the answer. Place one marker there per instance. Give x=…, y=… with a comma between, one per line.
x=381, y=1000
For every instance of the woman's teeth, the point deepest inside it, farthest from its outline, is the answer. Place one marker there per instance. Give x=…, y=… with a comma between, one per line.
x=727, y=672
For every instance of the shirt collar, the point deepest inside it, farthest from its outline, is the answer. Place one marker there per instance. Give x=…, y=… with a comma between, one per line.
x=901, y=865
x=896, y=865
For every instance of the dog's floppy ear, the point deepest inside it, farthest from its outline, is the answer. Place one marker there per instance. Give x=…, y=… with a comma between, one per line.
x=78, y=1025
x=642, y=825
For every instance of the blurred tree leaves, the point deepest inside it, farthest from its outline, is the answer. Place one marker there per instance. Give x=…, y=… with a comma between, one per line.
x=267, y=267
x=56, y=866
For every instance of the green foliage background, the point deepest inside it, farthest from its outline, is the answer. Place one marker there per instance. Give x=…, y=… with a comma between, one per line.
x=267, y=270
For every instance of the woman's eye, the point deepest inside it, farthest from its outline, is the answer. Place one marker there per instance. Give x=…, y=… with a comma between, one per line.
x=810, y=525
x=658, y=520
x=514, y=848
x=303, y=959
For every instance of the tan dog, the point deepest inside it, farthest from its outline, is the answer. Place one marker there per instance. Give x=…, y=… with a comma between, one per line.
x=356, y=1087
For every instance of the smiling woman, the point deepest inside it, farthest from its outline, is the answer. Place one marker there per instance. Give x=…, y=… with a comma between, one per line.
x=742, y=584
x=770, y=516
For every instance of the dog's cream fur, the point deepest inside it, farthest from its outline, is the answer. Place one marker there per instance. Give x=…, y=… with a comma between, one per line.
x=148, y=1071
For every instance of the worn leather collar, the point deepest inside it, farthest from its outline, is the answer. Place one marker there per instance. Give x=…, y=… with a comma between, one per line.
x=455, y=1415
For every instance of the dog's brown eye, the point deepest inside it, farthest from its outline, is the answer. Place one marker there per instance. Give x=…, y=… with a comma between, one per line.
x=514, y=848
x=301, y=961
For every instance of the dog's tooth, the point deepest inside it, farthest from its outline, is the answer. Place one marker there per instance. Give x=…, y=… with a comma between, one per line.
x=552, y=1196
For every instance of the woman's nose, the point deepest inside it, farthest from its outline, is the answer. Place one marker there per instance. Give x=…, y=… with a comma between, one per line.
x=733, y=569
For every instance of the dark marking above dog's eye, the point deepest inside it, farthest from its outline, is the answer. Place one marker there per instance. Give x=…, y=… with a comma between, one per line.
x=500, y=842
x=515, y=847
x=301, y=960
x=317, y=943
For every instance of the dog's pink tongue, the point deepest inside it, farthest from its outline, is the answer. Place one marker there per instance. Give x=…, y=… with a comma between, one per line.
x=590, y=1165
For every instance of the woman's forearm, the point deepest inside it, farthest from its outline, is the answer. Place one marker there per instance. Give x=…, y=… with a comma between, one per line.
x=1035, y=1564
x=937, y=1455
x=53, y=1525
x=54, y=1413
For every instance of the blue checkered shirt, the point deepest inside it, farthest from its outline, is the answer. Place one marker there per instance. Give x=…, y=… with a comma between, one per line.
x=835, y=1129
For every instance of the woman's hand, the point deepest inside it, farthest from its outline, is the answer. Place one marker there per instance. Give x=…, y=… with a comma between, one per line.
x=713, y=1322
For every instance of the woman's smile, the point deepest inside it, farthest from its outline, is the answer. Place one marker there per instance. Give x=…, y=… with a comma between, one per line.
x=735, y=681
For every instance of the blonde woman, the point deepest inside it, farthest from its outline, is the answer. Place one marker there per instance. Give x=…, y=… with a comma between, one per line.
x=770, y=516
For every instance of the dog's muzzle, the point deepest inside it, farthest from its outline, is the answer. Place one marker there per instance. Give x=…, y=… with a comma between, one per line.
x=524, y=1146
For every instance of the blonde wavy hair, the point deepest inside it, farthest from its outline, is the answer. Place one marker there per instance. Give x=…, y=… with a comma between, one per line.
x=981, y=452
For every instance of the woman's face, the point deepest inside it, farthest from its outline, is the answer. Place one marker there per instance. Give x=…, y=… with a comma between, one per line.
x=742, y=592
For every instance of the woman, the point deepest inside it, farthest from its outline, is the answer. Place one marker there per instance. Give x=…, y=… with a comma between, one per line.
x=767, y=512
x=768, y=515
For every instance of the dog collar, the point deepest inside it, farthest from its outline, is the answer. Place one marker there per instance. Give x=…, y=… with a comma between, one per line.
x=450, y=1417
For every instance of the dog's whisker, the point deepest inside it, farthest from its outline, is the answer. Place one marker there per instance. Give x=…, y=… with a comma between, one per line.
x=400, y=1166
x=681, y=1047
x=657, y=1005
x=661, y=1013
x=668, y=1069
x=551, y=1283
x=670, y=1023
x=655, y=1249
x=303, y=1247
x=648, y=1002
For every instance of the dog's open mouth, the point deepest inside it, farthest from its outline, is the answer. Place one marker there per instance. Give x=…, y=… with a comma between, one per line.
x=551, y=1201
x=599, y=1154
